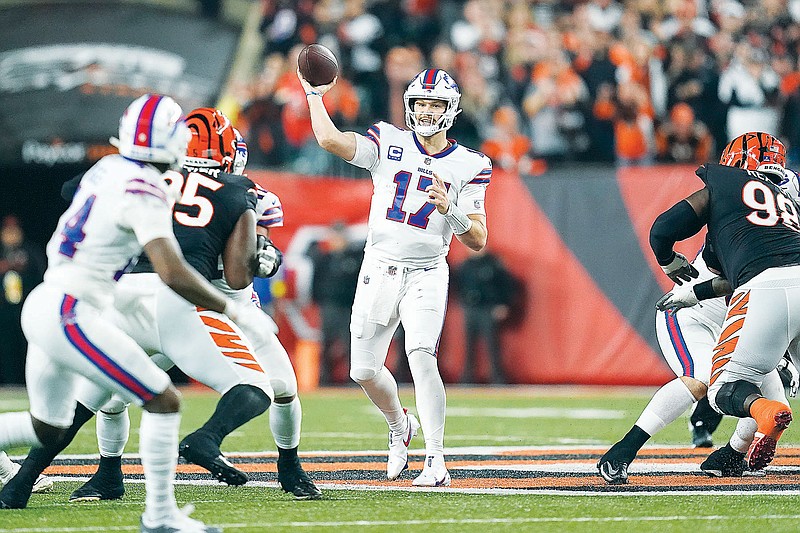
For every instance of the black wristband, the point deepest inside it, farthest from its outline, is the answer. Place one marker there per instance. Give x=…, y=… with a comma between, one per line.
x=704, y=290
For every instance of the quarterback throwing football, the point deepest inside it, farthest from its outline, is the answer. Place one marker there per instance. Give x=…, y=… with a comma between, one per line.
x=426, y=188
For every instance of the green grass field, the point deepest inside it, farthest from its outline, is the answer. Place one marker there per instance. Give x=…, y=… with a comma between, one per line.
x=341, y=419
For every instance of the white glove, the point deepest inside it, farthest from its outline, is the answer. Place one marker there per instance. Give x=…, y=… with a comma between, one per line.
x=789, y=376
x=679, y=298
x=680, y=270
x=250, y=320
x=269, y=258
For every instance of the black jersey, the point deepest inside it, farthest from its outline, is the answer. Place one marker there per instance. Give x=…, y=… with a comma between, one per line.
x=752, y=224
x=211, y=204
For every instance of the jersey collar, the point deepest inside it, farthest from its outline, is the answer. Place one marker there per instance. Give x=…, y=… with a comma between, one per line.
x=448, y=150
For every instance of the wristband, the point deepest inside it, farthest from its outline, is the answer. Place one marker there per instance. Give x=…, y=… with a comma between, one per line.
x=315, y=93
x=704, y=290
x=457, y=220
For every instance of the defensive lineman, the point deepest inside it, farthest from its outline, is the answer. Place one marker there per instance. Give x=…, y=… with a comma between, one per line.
x=754, y=238
x=426, y=188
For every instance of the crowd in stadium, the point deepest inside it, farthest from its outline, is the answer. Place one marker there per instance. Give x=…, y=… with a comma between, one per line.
x=631, y=82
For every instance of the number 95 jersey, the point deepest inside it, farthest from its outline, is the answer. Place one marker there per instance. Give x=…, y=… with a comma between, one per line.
x=752, y=223
x=403, y=225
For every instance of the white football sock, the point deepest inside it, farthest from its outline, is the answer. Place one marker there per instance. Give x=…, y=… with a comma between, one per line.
x=16, y=430
x=743, y=436
x=158, y=447
x=667, y=404
x=113, y=430
x=431, y=400
x=382, y=390
x=284, y=422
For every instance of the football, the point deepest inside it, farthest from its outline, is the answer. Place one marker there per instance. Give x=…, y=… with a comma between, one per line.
x=317, y=64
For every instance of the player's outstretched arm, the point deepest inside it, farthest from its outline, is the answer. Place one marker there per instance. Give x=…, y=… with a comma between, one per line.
x=329, y=137
x=679, y=222
x=238, y=258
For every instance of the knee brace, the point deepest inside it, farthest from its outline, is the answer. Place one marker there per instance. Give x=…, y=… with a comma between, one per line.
x=736, y=397
x=114, y=406
x=362, y=374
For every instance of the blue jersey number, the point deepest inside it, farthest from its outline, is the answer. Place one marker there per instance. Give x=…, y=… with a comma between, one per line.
x=73, y=234
x=396, y=213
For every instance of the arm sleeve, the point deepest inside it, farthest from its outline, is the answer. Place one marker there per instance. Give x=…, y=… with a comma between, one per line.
x=367, y=150
x=473, y=195
x=70, y=187
x=146, y=212
x=679, y=222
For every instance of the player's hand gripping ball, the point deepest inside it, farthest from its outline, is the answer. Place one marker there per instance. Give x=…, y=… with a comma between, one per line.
x=317, y=64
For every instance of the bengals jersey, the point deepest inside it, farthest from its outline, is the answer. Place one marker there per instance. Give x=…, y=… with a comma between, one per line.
x=753, y=224
x=403, y=225
x=209, y=207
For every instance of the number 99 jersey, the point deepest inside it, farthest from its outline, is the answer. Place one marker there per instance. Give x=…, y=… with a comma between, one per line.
x=753, y=224
x=403, y=225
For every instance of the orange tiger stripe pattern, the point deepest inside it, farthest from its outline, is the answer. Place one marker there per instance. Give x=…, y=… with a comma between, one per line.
x=751, y=149
x=729, y=337
x=230, y=343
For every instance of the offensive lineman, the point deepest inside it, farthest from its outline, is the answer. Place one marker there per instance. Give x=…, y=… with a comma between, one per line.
x=754, y=240
x=123, y=207
x=426, y=188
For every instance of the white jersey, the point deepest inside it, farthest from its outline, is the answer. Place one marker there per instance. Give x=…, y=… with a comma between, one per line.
x=120, y=206
x=403, y=225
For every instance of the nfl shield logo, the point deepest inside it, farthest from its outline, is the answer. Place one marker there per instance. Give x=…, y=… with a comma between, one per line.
x=392, y=270
x=366, y=280
x=427, y=160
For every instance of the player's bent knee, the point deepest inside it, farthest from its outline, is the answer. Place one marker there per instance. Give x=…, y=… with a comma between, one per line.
x=362, y=374
x=735, y=398
x=114, y=406
x=46, y=433
x=284, y=388
x=695, y=386
x=168, y=401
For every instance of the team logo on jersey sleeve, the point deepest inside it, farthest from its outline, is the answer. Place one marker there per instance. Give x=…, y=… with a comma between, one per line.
x=395, y=153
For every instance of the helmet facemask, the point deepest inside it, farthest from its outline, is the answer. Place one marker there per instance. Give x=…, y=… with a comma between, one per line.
x=432, y=84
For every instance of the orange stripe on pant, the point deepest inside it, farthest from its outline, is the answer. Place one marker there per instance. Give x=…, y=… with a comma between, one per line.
x=729, y=337
x=231, y=345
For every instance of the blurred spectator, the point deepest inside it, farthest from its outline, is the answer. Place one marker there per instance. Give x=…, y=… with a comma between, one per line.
x=508, y=147
x=485, y=290
x=750, y=87
x=22, y=266
x=337, y=262
x=555, y=106
x=682, y=139
x=401, y=65
x=685, y=24
x=633, y=126
x=604, y=15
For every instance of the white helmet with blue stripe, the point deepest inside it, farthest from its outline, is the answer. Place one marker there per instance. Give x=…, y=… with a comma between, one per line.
x=153, y=130
x=432, y=84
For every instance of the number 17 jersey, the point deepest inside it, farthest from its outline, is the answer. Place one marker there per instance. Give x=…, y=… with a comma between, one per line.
x=403, y=225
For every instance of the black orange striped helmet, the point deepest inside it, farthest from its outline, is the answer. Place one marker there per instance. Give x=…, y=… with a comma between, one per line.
x=753, y=150
x=213, y=142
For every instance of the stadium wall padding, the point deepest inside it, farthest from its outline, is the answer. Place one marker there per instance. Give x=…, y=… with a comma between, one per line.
x=577, y=239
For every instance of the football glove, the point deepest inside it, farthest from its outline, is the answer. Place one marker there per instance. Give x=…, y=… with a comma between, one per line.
x=269, y=258
x=680, y=270
x=679, y=298
x=789, y=376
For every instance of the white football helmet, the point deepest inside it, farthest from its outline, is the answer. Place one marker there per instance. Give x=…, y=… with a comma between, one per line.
x=152, y=129
x=432, y=84
x=790, y=184
x=240, y=157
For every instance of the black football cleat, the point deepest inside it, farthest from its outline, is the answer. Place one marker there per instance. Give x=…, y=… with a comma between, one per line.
x=294, y=480
x=98, y=488
x=724, y=462
x=613, y=472
x=701, y=438
x=201, y=450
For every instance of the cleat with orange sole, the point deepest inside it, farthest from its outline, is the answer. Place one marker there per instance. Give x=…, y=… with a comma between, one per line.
x=772, y=418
